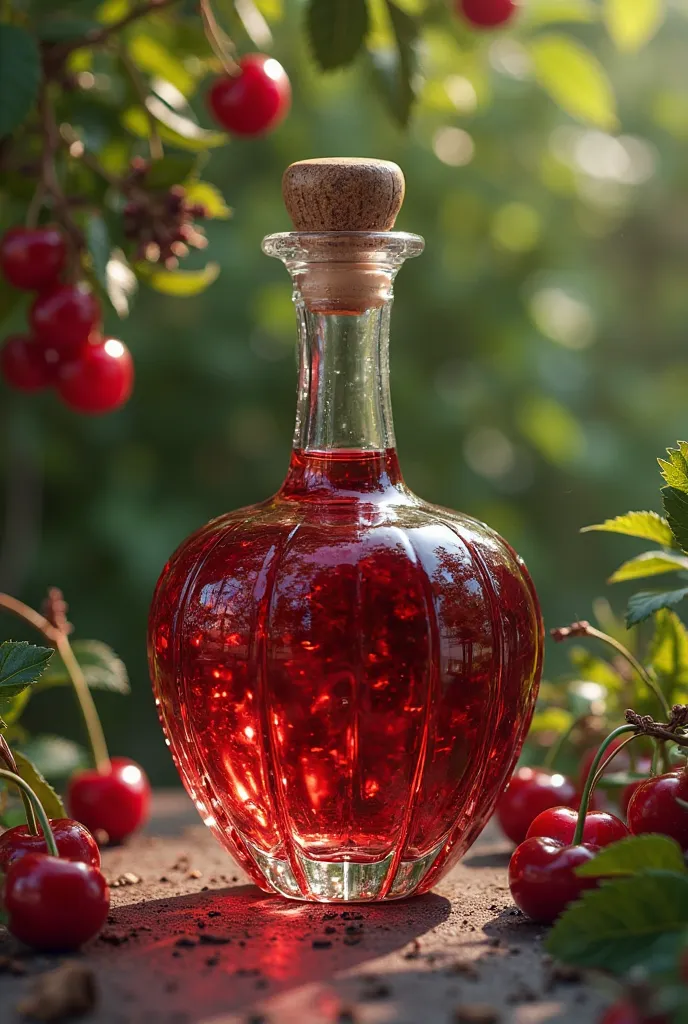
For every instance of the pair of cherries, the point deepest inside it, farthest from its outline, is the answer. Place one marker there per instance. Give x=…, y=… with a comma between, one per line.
x=64, y=349
x=59, y=903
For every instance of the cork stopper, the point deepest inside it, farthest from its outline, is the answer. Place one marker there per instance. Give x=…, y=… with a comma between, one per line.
x=343, y=194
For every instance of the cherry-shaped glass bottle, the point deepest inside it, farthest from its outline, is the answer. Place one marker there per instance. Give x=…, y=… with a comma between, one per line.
x=345, y=674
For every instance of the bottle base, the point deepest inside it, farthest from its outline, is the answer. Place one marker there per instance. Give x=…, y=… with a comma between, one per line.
x=342, y=881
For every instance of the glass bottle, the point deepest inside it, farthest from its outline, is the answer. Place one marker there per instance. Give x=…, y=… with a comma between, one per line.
x=345, y=673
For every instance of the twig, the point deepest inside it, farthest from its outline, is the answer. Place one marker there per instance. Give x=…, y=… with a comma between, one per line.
x=60, y=641
x=98, y=36
x=584, y=628
x=646, y=726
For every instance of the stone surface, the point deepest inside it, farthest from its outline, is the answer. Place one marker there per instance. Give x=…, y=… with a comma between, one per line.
x=191, y=942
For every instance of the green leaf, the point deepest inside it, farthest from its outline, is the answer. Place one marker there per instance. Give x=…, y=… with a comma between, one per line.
x=156, y=59
x=616, y=926
x=634, y=855
x=675, y=469
x=102, y=668
x=675, y=501
x=394, y=69
x=641, y=606
x=171, y=170
x=98, y=241
x=647, y=525
x=650, y=563
x=54, y=756
x=211, y=197
x=575, y=79
x=20, y=665
x=20, y=75
x=551, y=719
x=174, y=129
x=669, y=652
x=54, y=807
x=12, y=711
x=633, y=24
x=182, y=283
x=336, y=30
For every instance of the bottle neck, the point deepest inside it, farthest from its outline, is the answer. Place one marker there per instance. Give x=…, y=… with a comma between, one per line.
x=343, y=391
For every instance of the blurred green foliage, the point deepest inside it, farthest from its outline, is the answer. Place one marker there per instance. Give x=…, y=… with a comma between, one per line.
x=538, y=361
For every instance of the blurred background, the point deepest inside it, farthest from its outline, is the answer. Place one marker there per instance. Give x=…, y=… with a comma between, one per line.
x=538, y=347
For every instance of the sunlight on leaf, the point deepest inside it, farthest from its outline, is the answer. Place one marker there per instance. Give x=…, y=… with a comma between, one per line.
x=650, y=563
x=182, y=283
x=646, y=525
x=632, y=23
x=575, y=79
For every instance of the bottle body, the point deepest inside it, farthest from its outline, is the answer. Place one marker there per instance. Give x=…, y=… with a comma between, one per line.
x=345, y=675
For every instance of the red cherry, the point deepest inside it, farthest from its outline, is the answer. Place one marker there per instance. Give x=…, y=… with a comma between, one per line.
x=600, y=828
x=52, y=904
x=115, y=802
x=32, y=258
x=487, y=13
x=253, y=101
x=530, y=791
x=64, y=316
x=74, y=842
x=542, y=877
x=626, y=1012
x=100, y=380
x=654, y=808
x=23, y=364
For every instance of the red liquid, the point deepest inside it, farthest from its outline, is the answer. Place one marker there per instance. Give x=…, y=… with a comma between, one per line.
x=345, y=674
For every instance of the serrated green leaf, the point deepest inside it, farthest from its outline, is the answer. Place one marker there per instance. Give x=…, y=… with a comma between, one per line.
x=54, y=807
x=675, y=501
x=621, y=923
x=21, y=664
x=646, y=525
x=20, y=75
x=650, y=563
x=336, y=30
x=631, y=25
x=102, y=669
x=633, y=855
x=174, y=129
x=641, y=606
x=675, y=468
x=669, y=653
x=155, y=59
x=54, y=756
x=574, y=79
x=181, y=283
x=98, y=241
x=211, y=197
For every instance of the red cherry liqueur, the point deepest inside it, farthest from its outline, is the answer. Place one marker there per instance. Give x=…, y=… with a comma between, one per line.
x=345, y=674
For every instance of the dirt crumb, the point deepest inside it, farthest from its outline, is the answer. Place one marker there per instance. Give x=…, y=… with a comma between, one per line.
x=68, y=991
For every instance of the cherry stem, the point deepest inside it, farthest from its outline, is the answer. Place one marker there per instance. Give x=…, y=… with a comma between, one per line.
x=38, y=808
x=584, y=628
x=608, y=760
x=590, y=781
x=7, y=757
x=60, y=641
x=646, y=726
x=220, y=43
